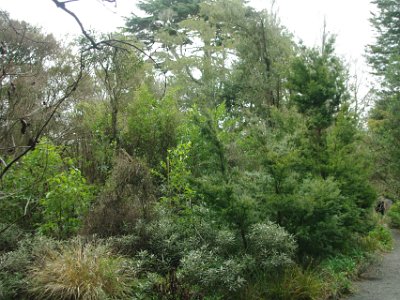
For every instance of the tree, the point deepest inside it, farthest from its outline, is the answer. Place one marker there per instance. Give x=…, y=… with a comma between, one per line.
x=264, y=52
x=317, y=89
x=162, y=15
x=35, y=82
x=384, y=54
x=384, y=57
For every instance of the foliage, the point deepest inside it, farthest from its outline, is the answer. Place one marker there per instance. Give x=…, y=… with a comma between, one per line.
x=176, y=183
x=46, y=192
x=298, y=284
x=381, y=237
x=80, y=270
x=30, y=67
x=125, y=199
x=317, y=216
x=195, y=255
x=384, y=58
x=14, y=265
x=394, y=215
x=317, y=84
x=205, y=271
x=10, y=237
x=65, y=204
x=151, y=126
x=233, y=167
x=271, y=246
x=384, y=54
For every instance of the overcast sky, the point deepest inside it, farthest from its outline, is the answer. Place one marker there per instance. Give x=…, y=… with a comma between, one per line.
x=348, y=19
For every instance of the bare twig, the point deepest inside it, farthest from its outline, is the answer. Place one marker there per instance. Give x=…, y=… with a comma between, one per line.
x=61, y=5
x=70, y=90
x=108, y=42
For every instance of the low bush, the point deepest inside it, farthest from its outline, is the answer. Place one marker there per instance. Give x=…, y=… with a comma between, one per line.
x=271, y=246
x=299, y=284
x=10, y=235
x=208, y=273
x=14, y=265
x=380, y=238
x=195, y=256
x=339, y=271
x=394, y=215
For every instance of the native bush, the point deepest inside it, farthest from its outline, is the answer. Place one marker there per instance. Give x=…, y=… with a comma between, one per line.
x=46, y=192
x=271, y=246
x=126, y=198
x=25, y=184
x=296, y=284
x=10, y=235
x=316, y=215
x=66, y=204
x=14, y=265
x=394, y=215
x=207, y=272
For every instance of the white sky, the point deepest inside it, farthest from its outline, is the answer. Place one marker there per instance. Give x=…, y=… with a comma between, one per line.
x=346, y=18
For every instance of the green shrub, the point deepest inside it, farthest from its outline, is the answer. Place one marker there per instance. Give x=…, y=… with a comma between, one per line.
x=194, y=255
x=14, y=265
x=271, y=246
x=298, y=284
x=45, y=192
x=65, y=204
x=320, y=218
x=10, y=237
x=394, y=215
x=80, y=270
x=211, y=274
x=381, y=237
x=339, y=271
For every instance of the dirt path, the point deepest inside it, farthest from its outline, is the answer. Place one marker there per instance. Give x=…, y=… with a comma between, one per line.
x=382, y=280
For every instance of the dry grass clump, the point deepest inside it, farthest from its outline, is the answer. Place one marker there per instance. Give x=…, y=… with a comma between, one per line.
x=81, y=270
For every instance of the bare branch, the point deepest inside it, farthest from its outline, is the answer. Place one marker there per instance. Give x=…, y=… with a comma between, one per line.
x=70, y=90
x=62, y=6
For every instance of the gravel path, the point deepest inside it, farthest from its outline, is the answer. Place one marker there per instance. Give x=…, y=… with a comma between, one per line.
x=382, y=280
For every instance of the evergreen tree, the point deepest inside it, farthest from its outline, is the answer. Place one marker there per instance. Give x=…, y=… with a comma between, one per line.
x=384, y=57
x=317, y=88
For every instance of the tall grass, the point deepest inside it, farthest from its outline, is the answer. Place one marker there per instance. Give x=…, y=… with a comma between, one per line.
x=80, y=270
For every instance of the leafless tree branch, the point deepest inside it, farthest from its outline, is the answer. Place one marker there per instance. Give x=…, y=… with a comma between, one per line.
x=70, y=90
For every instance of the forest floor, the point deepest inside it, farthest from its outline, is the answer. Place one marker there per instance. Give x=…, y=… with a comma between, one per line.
x=381, y=280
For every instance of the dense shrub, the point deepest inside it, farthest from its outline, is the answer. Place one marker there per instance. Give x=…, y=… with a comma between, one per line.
x=205, y=271
x=298, y=284
x=394, y=214
x=380, y=238
x=271, y=246
x=319, y=217
x=46, y=192
x=10, y=235
x=65, y=204
x=14, y=265
x=196, y=255
x=126, y=198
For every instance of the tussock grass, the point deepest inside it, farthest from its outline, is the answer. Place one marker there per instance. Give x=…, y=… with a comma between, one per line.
x=81, y=270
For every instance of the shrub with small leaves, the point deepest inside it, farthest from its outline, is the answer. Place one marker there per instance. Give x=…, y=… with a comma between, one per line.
x=14, y=265
x=271, y=246
x=9, y=236
x=394, y=215
x=206, y=271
